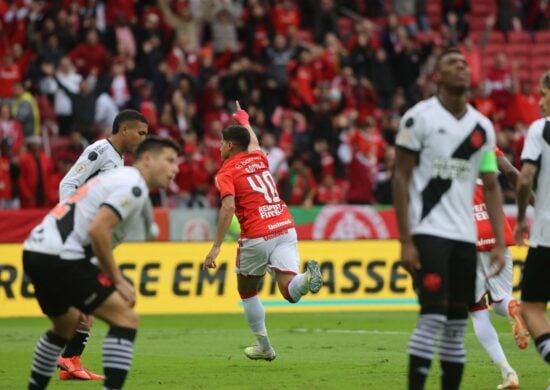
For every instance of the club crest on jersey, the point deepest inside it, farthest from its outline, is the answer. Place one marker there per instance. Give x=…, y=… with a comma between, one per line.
x=477, y=139
x=79, y=168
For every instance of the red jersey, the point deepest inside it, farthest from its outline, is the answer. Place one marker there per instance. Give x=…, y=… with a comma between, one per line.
x=485, y=236
x=258, y=207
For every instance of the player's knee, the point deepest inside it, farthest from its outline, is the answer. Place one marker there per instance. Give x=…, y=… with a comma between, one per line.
x=86, y=322
x=433, y=308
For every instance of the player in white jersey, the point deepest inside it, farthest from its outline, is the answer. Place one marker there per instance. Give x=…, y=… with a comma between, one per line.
x=535, y=284
x=129, y=129
x=443, y=144
x=57, y=254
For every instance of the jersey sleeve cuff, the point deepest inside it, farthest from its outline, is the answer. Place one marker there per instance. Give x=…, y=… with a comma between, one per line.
x=406, y=149
x=529, y=161
x=114, y=209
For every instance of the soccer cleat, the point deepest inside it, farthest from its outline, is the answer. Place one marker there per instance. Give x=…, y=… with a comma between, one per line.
x=93, y=377
x=256, y=353
x=521, y=334
x=73, y=366
x=511, y=382
x=314, y=277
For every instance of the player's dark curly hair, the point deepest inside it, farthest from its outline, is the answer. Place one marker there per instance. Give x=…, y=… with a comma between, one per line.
x=446, y=52
x=155, y=144
x=127, y=116
x=237, y=134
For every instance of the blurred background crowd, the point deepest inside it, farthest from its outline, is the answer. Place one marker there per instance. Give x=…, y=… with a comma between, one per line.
x=325, y=82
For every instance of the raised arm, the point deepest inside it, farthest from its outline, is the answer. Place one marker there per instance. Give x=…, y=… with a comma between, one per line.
x=241, y=116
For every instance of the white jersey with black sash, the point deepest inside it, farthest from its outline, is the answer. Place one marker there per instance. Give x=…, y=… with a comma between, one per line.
x=450, y=155
x=537, y=151
x=64, y=231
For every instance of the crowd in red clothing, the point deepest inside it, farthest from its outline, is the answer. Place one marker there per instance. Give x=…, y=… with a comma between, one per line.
x=325, y=82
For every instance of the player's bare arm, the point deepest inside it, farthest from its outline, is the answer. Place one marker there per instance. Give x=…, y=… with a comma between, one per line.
x=493, y=202
x=241, y=116
x=523, y=189
x=225, y=215
x=100, y=237
x=405, y=162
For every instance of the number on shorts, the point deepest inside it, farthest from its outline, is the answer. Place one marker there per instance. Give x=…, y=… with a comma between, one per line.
x=265, y=185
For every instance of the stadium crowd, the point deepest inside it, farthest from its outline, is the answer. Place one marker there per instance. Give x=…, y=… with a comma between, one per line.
x=325, y=82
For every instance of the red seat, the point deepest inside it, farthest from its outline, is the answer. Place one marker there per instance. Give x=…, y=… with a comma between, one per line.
x=542, y=36
x=521, y=37
x=496, y=37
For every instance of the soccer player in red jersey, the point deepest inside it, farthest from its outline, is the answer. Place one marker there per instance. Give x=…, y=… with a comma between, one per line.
x=268, y=240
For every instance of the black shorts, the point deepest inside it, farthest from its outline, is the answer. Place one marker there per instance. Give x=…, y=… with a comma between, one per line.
x=59, y=284
x=535, y=283
x=447, y=277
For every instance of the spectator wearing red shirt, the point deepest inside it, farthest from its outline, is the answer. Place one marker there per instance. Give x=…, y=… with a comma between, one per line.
x=499, y=81
x=10, y=129
x=484, y=104
x=301, y=82
x=9, y=76
x=330, y=192
x=193, y=179
x=298, y=187
x=6, y=193
x=36, y=167
x=472, y=54
x=524, y=104
x=284, y=15
x=90, y=54
x=361, y=166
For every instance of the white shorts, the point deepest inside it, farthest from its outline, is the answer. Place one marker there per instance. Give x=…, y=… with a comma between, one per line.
x=278, y=251
x=498, y=286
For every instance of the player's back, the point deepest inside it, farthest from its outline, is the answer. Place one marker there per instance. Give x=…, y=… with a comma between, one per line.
x=64, y=231
x=98, y=158
x=258, y=207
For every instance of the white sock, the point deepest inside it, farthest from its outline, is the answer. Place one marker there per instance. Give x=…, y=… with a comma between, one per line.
x=255, y=316
x=488, y=338
x=501, y=308
x=298, y=287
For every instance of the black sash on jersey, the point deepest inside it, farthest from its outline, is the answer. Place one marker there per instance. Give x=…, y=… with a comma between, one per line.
x=437, y=187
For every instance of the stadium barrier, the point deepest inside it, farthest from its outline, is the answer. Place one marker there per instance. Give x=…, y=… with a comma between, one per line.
x=359, y=276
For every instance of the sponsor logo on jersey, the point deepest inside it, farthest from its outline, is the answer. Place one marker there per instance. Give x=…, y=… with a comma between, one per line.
x=271, y=210
x=451, y=168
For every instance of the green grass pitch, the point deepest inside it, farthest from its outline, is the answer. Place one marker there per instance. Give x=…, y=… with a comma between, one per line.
x=315, y=351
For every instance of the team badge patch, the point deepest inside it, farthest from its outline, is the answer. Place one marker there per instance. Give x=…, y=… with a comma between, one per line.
x=79, y=168
x=136, y=191
x=431, y=282
x=104, y=280
x=476, y=139
x=92, y=156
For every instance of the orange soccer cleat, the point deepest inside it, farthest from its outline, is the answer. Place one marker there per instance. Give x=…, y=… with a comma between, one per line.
x=73, y=366
x=94, y=377
x=521, y=334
